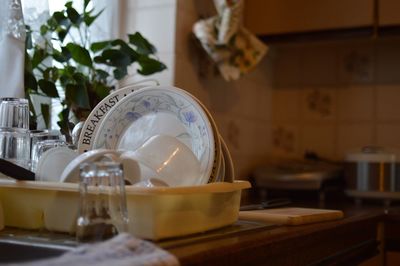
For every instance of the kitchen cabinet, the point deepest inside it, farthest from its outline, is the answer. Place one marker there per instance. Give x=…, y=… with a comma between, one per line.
x=389, y=14
x=271, y=17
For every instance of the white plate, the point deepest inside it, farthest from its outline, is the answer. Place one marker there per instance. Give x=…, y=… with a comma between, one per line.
x=97, y=115
x=229, y=168
x=218, y=150
x=52, y=163
x=160, y=110
x=221, y=172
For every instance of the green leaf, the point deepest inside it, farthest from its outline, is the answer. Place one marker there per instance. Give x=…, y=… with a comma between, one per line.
x=68, y=4
x=77, y=94
x=101, y=90
x=30, y=81
x=80, y=54
x=51, y=73
x=62, y=33
x=88, y=19
x=150, y=66
x=74, y=16
x=79, y=78
x=45, y=110
x=120, y=73
x=124, y=47
x=97, y=46
x=44, y=29
x=52, y=23
x=99, y=60
x=48, y=88
x=142, y=44
x=86, y=3
x=65, y=79
x=116, y=58
x=103, y=75
x=38, y=57
x=64, y=124
x=61, y=19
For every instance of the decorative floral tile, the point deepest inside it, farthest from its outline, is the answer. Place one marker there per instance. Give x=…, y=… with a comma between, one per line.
x=319, y=102
x=284, y=139
x=357, y=65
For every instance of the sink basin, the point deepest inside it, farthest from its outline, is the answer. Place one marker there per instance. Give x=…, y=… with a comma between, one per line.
x=22, y=251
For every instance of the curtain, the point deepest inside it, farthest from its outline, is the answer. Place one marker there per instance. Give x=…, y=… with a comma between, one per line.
x=12, y=47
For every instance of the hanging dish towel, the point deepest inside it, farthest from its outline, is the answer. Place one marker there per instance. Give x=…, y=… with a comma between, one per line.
x=234, y=49
x=122, y=250
x=12, y=49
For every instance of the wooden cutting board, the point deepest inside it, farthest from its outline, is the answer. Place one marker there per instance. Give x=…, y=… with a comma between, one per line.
x=291, y=215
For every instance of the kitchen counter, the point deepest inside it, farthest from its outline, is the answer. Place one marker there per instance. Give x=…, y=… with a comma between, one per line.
x=346, y=241
x=355, y=238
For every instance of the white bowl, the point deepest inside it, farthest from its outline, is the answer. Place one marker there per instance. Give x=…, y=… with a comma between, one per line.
x=71, y=171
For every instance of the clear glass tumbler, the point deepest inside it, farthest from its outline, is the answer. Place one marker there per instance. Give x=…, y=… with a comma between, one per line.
x=36, y=141
x=14, y=146
x=14, y=113
x=102, y=211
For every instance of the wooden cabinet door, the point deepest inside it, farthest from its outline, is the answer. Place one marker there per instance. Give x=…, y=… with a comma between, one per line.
x=389, y=12
x=266, y=17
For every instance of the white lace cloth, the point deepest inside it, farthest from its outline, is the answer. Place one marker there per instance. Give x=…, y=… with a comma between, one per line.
x=12, y=49
x=122, y=250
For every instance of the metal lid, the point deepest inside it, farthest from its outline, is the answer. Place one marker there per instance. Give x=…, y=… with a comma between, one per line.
x=373, y=154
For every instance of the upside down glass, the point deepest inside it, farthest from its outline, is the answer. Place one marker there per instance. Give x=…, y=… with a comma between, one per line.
x=40, y=142
x=102, y=210
x=14, y=145
x=14, y=113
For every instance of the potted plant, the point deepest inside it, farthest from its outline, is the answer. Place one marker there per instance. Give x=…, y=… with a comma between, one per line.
x=80, y=73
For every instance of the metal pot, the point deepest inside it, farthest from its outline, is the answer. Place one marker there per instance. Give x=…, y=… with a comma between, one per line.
x=373, y=172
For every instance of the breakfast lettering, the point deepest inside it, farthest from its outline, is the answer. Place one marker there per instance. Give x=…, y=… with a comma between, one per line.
x=100, y=112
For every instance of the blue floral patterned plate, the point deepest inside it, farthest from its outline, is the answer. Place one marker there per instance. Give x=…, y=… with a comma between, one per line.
x=160, y=110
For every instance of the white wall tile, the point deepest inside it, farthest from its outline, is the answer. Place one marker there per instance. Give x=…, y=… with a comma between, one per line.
x=388, y=61
x=149, y=3
x=388, y=102
x=388, y=135
x=318, y=138
x=286, y=104
x=318, y=104
x=285, y=140
x=352, y=137
x=287, y=67
x=318, y=65
x=156, y=24
x=356, y=103
x=356, y=62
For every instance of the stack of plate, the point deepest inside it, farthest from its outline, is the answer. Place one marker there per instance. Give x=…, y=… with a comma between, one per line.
x=126, y=118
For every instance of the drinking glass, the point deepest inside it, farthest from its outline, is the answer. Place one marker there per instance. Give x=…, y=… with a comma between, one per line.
x=14, y=146
x=41, y=147
x=36, y=136
x=102, y=211
x=14, y=113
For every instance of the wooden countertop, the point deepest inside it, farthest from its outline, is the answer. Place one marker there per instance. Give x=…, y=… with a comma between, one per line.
x=349, y=240
x=358, y=236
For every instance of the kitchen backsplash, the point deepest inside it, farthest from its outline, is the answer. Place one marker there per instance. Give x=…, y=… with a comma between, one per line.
x=333, y=97
x=325, y=97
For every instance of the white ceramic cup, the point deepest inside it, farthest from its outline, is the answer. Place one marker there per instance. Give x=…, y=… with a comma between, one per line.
x=163, y=157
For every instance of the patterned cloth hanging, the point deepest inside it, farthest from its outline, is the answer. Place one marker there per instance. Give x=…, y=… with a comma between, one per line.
x=233, y=48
